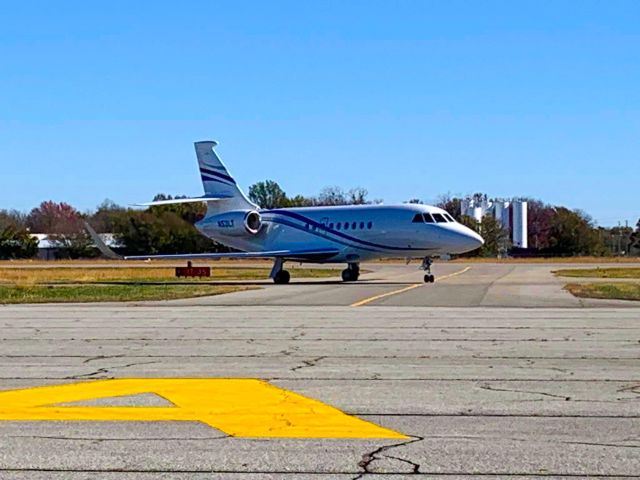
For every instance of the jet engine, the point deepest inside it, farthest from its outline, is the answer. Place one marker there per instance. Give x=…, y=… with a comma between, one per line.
x=252, y=222
x=236, y=223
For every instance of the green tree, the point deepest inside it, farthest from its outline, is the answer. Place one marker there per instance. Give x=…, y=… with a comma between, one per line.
x=268, y=194
x=159, y=232
x=190, y=212
x=102, y=219
x=300, y=201
x=496, y=238
x=15, y=240
x=573, y=233
x=634, y=240
x=453, y=205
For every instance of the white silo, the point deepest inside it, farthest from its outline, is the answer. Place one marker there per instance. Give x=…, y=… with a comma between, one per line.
x=501, y=213
x=519, y=228
x=478, y=213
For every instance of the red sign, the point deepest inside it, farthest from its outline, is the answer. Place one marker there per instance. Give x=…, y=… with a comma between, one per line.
x=193, y=271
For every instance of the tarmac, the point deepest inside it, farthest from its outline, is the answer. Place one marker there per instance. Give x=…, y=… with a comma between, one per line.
x=493, y=371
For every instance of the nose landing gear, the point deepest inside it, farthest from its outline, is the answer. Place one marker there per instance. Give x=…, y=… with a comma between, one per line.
x=426, y=266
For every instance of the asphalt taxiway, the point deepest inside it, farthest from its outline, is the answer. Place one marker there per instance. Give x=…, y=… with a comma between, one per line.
x=457, y=285
x=493, y=372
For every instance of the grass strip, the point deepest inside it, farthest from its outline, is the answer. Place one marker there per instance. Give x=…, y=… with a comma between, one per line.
x=628, y=272
x=108, y=293
x=34, y=276
x=613, y=291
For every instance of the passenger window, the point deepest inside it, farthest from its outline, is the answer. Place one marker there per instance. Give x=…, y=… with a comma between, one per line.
x=306, y=225
x=354, y=225
x=361, y=225
x=338, y=226
x=346, y=225
x=331, y=226
x=439, y=218
x=417, y=218
x=369, y=225
x=427, y=217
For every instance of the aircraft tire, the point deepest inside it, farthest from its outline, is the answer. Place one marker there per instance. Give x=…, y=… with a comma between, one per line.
x=348, y=276
x=282, y=277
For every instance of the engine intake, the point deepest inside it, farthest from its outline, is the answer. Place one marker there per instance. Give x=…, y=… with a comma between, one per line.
x=252, y=222
x=236, y=223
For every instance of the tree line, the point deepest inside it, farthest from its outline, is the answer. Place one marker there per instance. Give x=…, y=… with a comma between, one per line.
x=553, y=231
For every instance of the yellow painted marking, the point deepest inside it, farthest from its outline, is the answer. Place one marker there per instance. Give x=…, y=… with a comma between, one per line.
x=459, y=272
x=240, y=407
x=382, y=295
x=405, y=289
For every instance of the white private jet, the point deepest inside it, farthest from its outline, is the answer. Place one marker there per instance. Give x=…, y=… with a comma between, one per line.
x=348, y=234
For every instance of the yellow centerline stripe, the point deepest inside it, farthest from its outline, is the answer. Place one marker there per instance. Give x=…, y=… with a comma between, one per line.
x=405, y=289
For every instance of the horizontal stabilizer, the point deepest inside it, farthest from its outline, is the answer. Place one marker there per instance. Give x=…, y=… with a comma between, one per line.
x=183, y=200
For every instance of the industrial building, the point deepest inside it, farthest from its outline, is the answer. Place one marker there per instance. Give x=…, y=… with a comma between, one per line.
x=511, y=214
x=51, y=249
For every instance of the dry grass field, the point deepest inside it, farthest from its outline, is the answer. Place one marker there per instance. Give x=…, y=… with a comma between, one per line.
x=72, y=282
x=68, y=275
x=624, y=272
x=617, y=291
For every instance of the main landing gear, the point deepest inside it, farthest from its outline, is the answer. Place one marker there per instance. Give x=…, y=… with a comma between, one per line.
x=426, y=266
x=278, y=274
x=351, y=273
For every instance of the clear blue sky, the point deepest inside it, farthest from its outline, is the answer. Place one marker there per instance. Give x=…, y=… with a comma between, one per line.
x=407, y=99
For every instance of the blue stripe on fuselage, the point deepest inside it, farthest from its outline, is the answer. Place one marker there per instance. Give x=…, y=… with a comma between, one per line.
x=282, y=221
x=312, y=222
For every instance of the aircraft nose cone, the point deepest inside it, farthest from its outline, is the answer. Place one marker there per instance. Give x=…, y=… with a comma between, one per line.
x=473, y=240
x=468, y=240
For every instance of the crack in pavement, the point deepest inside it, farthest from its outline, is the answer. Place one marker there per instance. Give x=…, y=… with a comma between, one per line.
x=415, y=466
x=633, y=389
x=102, y=357
x=308, y=363
x=595, y=444
x=105, y=370
x=493, y=389
x=369, y=458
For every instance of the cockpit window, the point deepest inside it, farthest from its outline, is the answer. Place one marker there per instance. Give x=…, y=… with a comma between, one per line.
x=439, y=218
x=449, y=217
x=418, y=218
x=427, y=217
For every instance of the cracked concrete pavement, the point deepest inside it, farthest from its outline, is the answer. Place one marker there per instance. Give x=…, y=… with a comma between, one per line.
x=498, y=391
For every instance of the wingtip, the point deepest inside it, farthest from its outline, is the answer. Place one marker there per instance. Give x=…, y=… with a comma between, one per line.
x=213, y=143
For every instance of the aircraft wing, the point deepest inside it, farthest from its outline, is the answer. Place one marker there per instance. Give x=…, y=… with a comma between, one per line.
x=301, y=254
x=309, y=254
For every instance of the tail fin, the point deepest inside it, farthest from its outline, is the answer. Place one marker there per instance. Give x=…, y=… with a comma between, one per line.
x=216, y=179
